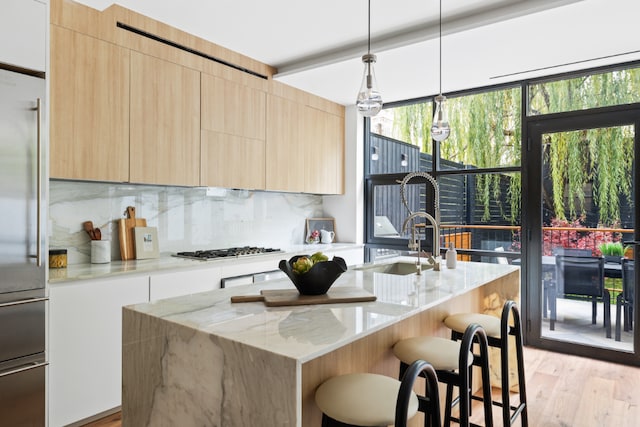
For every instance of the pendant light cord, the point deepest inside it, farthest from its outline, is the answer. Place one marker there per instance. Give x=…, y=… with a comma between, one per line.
x=369, y=28
x=440, y=49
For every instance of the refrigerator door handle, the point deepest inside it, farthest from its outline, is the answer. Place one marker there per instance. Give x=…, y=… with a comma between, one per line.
x=39, y=184
x=26, y=367
x=23, y=301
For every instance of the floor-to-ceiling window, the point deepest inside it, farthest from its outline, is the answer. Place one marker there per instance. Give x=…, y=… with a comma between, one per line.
x=477, y=170
x=513, y=187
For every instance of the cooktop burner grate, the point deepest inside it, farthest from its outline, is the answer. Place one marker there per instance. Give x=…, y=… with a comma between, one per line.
x=209, y=254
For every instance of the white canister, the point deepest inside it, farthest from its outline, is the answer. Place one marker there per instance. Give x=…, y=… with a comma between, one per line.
x=452, y=256
x=100, y=251
x=326, y=236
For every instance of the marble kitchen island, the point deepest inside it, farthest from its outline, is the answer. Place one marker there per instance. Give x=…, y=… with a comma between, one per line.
x=200, y=360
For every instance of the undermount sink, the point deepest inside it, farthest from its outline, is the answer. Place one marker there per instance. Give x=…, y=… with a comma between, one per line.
x=397, y=268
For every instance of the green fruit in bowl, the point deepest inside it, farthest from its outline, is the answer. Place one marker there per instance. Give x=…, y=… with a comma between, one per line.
x=319, y=257
x=302, y=265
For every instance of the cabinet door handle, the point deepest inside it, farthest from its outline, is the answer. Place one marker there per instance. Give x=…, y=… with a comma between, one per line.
x=38, y=110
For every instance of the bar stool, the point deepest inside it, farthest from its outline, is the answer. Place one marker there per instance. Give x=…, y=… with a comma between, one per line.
x=452, y=361
x=498, y=331
x=364, y=399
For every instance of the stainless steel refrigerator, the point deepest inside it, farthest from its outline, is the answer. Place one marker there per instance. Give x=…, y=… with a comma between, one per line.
x=23, y=294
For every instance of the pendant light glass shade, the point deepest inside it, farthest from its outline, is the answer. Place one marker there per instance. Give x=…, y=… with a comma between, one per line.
x=440, y=129
x=369, y=100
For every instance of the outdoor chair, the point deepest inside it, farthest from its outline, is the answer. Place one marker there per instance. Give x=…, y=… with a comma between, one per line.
x=572, y=252
x=582, y=276
x=549, y=285
x=624, y=301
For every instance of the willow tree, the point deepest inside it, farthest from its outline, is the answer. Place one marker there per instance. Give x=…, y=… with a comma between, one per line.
x=486, y=133
x=600, y=158
x=412, y=124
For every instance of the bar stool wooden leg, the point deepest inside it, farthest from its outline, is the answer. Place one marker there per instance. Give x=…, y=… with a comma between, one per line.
x=498, y=332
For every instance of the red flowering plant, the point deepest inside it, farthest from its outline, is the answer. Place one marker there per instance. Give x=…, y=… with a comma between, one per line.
x=574, y=234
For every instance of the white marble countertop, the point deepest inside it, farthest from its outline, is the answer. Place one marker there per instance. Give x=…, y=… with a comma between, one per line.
x=306, y=332
x=167, y=262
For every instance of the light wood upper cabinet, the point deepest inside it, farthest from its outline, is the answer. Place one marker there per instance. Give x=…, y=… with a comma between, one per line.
x=165, y=122
x=285, y=153
x=126, y=108
x=233, y=131
x=231, y=161
x=305, y=142
x=89, y=108
x=233, y=108
x=324, y=147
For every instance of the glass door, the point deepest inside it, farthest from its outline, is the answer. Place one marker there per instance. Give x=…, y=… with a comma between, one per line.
x=582, y=225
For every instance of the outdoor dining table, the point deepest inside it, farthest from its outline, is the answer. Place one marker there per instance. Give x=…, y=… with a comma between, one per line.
x=611, y=270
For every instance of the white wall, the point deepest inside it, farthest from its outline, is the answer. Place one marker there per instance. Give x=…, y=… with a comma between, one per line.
x=348, y=209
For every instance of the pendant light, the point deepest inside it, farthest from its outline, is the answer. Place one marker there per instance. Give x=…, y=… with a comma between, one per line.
x=440, y=128
x=369, y=100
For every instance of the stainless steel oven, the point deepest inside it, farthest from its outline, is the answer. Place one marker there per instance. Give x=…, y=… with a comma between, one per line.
x=247, y=279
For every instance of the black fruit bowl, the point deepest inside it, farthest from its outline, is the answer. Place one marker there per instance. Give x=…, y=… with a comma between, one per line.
x=318, y=279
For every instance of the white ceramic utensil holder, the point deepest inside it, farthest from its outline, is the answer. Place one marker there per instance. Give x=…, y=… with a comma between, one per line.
x=100, y=251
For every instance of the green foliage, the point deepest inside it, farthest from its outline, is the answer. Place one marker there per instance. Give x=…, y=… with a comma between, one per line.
x=486, y=133
x=611, y=249
x=513, y=195
x=412, y=124
x=600, y=158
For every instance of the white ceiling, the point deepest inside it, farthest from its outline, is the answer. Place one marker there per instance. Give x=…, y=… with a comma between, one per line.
x=317, y=46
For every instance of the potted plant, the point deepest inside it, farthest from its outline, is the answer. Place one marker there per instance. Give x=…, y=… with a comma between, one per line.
x=612, y=251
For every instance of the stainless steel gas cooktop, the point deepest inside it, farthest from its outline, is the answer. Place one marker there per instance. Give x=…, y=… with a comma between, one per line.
x=211, y=254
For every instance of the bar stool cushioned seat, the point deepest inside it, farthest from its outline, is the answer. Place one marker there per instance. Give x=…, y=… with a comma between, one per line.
x=452, y=361
x=459, y=322
x=443, y=354
x=364, y=399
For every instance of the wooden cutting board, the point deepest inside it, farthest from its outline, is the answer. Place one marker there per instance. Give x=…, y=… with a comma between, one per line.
x=125, y=231
x=290, y=297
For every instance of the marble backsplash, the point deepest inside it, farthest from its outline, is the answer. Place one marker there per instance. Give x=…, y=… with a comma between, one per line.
x=186, y=218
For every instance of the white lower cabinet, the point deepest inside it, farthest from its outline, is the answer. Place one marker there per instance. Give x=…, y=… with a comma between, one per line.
x=174, y=284
x=85, y=345
x=351, y=256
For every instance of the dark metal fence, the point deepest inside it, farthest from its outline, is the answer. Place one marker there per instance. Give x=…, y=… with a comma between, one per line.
x=461, y=211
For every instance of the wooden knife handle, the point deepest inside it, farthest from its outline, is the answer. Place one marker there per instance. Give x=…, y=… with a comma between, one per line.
x=247, y=298
x=131, y=212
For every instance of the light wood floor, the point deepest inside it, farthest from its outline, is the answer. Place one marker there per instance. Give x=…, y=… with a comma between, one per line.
x=563, y=391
